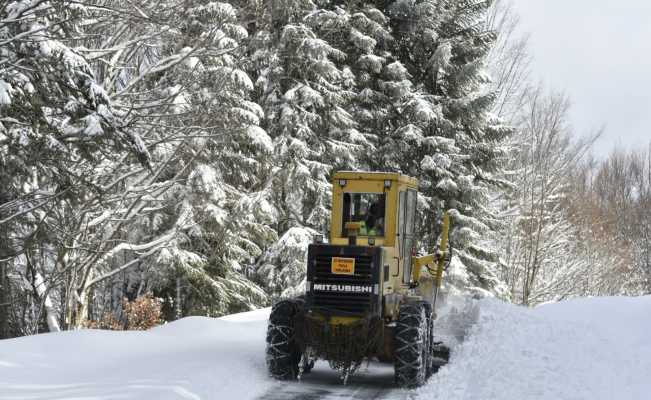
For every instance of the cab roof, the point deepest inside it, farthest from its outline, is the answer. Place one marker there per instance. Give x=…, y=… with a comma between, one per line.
x=376, y=176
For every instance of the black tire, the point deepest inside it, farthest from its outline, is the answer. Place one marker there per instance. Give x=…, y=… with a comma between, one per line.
x=283, y=353
x=411, y=346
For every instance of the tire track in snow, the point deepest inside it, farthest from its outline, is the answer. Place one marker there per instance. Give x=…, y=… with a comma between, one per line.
x=374, y=382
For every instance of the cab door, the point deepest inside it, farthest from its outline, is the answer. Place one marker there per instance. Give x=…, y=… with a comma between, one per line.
x=406, y=229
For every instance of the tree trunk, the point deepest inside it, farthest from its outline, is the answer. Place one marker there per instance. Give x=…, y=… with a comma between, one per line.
x=177, y=305
x=4, y=301
x=50, y=312
x=81, y=314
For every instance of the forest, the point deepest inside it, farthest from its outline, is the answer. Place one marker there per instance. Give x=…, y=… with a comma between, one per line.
x=175, y=156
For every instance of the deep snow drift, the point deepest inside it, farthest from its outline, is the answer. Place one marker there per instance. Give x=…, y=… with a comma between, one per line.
x=581, y=349
x=591, y=349
x=193, y=358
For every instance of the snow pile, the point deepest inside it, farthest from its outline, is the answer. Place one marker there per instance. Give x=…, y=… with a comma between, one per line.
x=591, y=349
x=193, y=358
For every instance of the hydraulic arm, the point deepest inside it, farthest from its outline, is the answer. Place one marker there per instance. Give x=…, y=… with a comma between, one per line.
x=437, y=258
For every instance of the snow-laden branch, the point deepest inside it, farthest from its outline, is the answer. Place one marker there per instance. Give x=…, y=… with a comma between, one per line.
x=167, y=63
x=99, y=53
x=138, y=247
x=32, y=208
x=122, y=267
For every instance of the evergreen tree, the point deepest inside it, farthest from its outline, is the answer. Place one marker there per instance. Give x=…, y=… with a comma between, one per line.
x=362, y=33
x=222, y=211
x=446, y=135
x=305, y=94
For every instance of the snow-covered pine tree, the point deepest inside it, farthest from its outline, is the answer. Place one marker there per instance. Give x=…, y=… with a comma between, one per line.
x=361, y=31
x=310, y=125
x=306, y=91
x=220, y=208
x=447, y=136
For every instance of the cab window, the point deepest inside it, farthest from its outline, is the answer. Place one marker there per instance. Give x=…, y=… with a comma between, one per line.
x=406, y=227
x=368, y=209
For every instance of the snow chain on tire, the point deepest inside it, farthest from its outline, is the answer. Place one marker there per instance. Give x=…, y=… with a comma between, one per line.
x=432, y=368
x=283, y=353
x=411, y=345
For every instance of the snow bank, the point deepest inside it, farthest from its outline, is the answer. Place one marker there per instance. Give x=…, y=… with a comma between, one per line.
x=588, y=349
x=193, y=358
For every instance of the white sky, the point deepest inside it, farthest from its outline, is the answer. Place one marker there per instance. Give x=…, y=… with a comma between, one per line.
x=599, y=52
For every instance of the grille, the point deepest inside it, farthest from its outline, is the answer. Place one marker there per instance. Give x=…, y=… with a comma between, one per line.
x=348, y=303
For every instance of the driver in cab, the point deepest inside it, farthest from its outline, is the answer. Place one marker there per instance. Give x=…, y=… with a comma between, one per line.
x=374, y=222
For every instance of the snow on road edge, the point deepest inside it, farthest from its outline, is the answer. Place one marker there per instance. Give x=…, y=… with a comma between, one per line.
x=193, y=358
x=580, y=349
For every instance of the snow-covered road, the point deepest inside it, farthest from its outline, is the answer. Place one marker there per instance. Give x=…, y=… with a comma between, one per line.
x=592, y=349
x=374, y=382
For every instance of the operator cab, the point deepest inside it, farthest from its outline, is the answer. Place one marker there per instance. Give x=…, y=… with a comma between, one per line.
x=374, y=208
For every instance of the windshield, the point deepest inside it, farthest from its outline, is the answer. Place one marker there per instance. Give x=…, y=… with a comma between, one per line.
x=367, y=209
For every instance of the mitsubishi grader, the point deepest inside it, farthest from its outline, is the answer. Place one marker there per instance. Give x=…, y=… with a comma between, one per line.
x=367, y=294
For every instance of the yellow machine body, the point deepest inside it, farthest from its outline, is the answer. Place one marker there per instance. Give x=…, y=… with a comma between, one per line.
x=366, y=291
x=408, y=275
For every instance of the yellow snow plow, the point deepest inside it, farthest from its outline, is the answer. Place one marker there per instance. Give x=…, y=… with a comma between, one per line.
x=367, y=295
